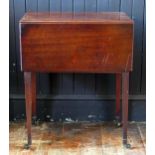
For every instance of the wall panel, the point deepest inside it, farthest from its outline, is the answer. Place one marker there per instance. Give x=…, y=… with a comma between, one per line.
x=12, y=50
x=19, y=10
x=135, y=76
x=78, y=84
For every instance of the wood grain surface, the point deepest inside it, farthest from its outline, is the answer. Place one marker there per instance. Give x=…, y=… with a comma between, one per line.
x=87, y=43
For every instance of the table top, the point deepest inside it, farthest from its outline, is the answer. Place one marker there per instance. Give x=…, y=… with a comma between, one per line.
x=81, y=18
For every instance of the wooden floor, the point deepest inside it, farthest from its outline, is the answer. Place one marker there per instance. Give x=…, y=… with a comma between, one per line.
x=77, y=139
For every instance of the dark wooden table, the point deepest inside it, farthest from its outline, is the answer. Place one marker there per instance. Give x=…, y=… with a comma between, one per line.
x=76, y=43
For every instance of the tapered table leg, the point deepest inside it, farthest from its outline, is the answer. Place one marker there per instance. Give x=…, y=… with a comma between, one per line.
x=33, y=87
x=125, y=91
x=29, y=79
x=118, y=95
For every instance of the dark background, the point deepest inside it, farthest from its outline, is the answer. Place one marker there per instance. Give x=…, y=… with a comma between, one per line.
x=78, y=96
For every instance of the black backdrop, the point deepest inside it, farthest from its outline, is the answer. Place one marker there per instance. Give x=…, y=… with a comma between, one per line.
x=78, y=96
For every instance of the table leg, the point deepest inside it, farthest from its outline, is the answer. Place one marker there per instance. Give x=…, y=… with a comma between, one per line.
x=125, y=91
x=118, y=95
x=33, y=94
x=33, y=88
x=29, y=79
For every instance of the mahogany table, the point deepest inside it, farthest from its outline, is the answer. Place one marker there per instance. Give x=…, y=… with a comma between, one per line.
x=76, y=43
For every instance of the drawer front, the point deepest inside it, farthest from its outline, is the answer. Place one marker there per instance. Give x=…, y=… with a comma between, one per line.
x=76, y=47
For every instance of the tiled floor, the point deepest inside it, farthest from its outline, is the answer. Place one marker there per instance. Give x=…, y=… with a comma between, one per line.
x=77, y=139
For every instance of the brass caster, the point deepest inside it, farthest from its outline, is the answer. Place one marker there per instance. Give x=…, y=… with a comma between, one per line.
x=26, y=146
x=34, y=120
x=117, y=122
x=128, y=146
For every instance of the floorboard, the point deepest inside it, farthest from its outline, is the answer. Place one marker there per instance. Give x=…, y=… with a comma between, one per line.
x=83, y=138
